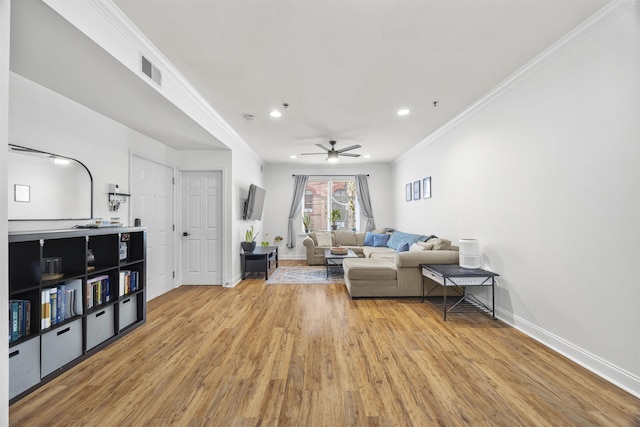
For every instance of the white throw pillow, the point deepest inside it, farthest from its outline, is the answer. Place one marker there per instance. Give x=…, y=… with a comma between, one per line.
x=324, y=239
x=416, y=248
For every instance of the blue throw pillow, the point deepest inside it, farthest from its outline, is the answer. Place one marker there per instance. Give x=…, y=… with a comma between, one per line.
x=368, y=239
x=380, y=240
x=398, y=238
x=402, y=248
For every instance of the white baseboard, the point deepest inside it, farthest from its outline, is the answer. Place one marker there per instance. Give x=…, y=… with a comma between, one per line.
x=599, y=366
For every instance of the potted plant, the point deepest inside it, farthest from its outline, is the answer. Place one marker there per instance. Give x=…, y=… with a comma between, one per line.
x=265, y=243
x=306, y=221
x=335, y=215
x=249, y=244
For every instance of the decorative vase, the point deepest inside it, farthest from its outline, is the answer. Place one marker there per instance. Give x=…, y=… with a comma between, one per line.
x=248, y=247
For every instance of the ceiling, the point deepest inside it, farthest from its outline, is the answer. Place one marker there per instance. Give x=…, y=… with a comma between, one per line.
x=343, y=67
x=48, y=50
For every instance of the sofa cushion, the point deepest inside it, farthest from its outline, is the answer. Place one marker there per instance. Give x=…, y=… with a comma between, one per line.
x=368, y=239
x=398, y=238
x=360, y=238
x=369, y=269
x=417, y=247
x=345, y=238
x=324, y=239
x=414, y=259
x=440, y=244
x=380, y=240
x=370, y=251
x=428, y=245
x=402, y=248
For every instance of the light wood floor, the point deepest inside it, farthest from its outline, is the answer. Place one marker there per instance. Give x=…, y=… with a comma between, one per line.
x=308, y=355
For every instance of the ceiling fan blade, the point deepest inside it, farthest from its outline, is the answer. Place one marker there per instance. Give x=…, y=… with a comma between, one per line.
x=313, y=154
x=353, y=147
x=323, y=147
x=349, y=155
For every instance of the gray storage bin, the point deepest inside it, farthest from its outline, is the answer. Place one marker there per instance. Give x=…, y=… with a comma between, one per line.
x=60, y=346
x=24, y=366
x=128, y=311
x=100, y=326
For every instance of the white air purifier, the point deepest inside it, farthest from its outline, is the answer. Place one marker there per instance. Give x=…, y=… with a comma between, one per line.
x=469, y=253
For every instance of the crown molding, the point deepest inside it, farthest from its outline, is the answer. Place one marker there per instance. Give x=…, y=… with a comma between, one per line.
x=600, y=19
x=120, y=22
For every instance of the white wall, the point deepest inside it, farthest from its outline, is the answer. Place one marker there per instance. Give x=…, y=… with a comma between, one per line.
x=279, y=186
x=545, y=173
x=5, y=15
x=47, y=121
x=235, y=186
x=107, y=26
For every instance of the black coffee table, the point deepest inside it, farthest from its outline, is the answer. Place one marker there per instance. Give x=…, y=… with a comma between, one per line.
x=333, y=260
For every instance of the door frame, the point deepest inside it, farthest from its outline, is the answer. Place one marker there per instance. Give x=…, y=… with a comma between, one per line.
x=223, y=227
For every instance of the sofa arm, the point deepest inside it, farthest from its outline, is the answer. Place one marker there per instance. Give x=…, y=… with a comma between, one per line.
x=308, y=242
x=415, y=258
x=310, y=245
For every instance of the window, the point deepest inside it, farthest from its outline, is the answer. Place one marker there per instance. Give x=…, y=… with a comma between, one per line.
x=326, y=194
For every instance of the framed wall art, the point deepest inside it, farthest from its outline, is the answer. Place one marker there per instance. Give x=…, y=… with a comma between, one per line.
x=426, y=188
x=416, y=190
x=407, y=192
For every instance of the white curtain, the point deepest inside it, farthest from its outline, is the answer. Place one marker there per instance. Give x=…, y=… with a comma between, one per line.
x=299, y=187
x=364, y=199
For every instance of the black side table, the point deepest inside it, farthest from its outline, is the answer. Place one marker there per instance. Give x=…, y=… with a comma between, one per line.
x=449, y=275
x=261, y=260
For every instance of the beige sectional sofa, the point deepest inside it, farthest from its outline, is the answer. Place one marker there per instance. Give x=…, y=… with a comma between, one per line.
x=349, y=239
x=380, y=271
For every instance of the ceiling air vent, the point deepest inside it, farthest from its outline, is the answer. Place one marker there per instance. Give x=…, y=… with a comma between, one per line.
x=151, y=71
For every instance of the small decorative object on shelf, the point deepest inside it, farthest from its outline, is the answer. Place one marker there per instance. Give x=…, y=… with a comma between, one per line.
x=124, y=238
x=52, y=268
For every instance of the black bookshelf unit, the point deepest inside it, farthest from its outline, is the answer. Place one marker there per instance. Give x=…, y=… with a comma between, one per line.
x=71, y=293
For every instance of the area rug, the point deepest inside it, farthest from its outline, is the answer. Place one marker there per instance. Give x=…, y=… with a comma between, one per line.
x=305, y=275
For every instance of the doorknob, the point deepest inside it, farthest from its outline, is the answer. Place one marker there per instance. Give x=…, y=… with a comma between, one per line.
x=185, y=234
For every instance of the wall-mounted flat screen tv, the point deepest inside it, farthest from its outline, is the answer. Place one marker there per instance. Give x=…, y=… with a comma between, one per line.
x=254, y=203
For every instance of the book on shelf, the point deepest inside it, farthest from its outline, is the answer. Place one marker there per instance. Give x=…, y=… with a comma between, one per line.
x=19, y=319
x=128, y=282
x=45, y=317
x=98, y=291
x=60, y=303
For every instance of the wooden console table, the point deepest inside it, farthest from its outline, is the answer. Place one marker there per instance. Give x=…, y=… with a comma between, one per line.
x=261, y=260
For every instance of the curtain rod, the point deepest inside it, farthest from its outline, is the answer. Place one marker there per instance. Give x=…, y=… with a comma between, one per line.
x=313, y=174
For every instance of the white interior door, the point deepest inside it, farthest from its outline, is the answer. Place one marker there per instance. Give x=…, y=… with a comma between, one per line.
x=152, y=200
x=201, y=228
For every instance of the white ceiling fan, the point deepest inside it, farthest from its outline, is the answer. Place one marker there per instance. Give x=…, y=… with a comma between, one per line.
x=333, y=154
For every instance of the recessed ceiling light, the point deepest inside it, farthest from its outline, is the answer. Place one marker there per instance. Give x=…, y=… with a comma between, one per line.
x=293, y=157
x=404, y=112
x=367, y=156
x=275, y=113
